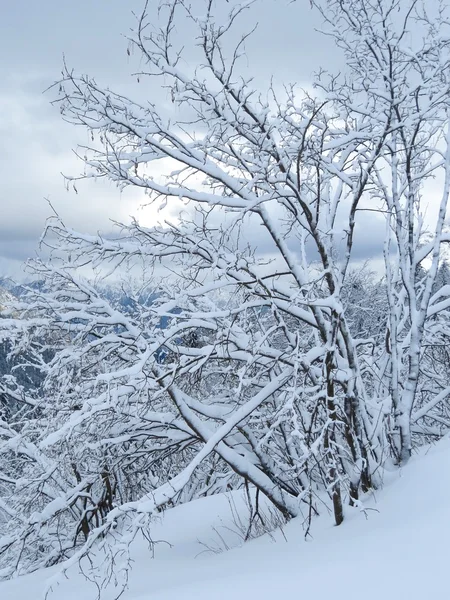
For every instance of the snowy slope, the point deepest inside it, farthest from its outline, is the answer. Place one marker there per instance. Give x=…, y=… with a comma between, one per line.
x=400, y=550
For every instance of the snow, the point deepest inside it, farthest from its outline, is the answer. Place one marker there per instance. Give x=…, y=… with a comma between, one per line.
x=5, y=298
x=398, y=548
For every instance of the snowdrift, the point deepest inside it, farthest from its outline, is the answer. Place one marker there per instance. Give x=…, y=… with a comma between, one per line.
x=396, y=548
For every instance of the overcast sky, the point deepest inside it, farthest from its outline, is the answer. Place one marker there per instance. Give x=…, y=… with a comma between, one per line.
x=36, y=145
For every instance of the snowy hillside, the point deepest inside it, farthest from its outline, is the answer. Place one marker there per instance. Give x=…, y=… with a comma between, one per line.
x=397, y=550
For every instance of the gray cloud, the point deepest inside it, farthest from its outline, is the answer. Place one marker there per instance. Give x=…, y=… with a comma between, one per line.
x=36, y=145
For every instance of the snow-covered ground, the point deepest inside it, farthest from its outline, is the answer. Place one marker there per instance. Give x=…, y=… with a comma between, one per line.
x=400, y=550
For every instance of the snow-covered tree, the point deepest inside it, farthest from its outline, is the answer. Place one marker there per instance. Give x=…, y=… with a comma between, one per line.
x=285, y=371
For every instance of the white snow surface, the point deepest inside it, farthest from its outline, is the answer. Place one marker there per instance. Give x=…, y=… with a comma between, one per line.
x=397, y=549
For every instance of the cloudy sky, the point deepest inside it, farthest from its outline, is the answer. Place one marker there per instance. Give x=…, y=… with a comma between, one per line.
x=36, y=145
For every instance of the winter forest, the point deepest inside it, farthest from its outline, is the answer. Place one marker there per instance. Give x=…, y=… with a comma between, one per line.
x=236, y=343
